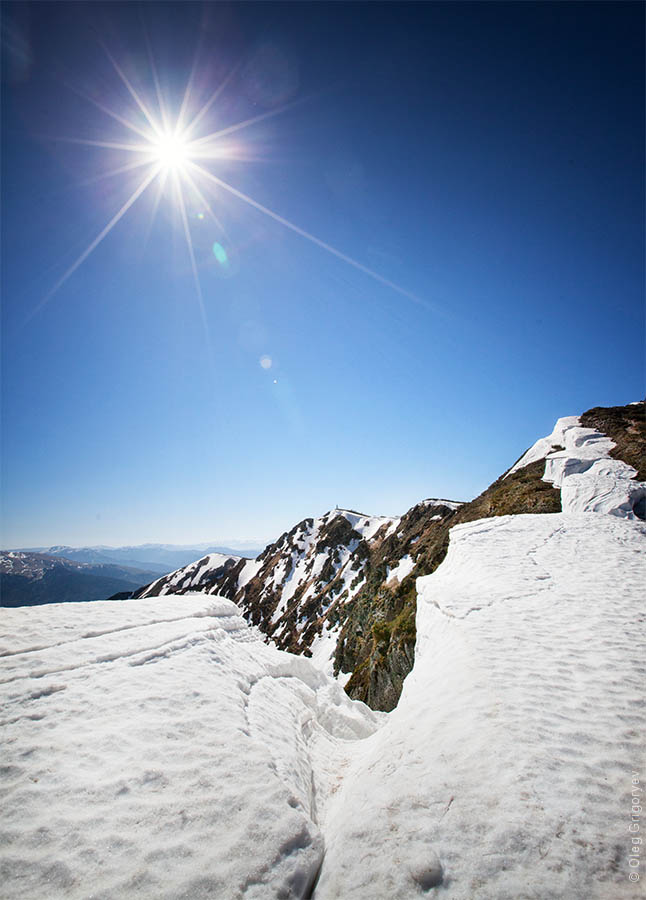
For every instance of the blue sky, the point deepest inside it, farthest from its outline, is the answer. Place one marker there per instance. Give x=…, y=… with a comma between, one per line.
x=487, y=159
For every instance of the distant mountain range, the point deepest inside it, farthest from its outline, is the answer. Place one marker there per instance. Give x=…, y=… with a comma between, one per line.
x=160, y=558
x=30, y=579
x=61, y=574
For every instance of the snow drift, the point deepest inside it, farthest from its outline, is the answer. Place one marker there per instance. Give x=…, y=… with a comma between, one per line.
x=158, y=748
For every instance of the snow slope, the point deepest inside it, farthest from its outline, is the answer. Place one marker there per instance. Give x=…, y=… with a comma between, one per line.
x=189, y=577
x=505, y=771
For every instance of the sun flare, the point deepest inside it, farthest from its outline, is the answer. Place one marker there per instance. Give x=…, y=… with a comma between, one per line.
x=171, y=151
x=177, y=157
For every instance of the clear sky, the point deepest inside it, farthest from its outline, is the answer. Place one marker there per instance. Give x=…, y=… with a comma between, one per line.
x=484, y=162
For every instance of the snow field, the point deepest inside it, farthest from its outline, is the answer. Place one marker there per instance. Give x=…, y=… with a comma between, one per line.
x=403, y=568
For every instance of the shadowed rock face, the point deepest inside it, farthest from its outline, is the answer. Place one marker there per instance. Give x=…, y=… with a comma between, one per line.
x=341, y=575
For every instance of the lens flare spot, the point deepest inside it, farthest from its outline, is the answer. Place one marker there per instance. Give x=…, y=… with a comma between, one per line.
x=220, y=254
x=266, y=362
x=200, y=216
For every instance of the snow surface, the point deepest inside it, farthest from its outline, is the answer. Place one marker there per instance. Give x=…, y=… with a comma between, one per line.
x=505, y=771
x=366, y=526
x=159, y=749
x=547, y=445
x=323, y=650
x=249, y=570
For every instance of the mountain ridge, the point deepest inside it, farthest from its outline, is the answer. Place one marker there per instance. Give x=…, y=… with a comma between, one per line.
x=159, y=558
x=349, y=600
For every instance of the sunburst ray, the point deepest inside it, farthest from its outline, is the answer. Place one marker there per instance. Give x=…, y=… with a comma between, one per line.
x=110, y=112
x=238, y=126
x=95, y=243
x=209, y=103
x=207, y=206
x=196, y=277
x=133, y=93
x=311, y=237
x=112, y=173
x=107, y=145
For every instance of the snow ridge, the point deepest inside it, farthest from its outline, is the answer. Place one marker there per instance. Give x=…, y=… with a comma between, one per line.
x=577, y=460
x=188, y=577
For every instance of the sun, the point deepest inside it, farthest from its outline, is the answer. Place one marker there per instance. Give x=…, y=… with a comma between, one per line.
x=168, y=145
x=171, y=151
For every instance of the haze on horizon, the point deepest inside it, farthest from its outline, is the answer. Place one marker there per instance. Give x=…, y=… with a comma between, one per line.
x=400, y=241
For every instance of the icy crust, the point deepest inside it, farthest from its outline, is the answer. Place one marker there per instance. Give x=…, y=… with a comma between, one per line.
x=505, y=771
x=577, y=461
x=158, y=748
